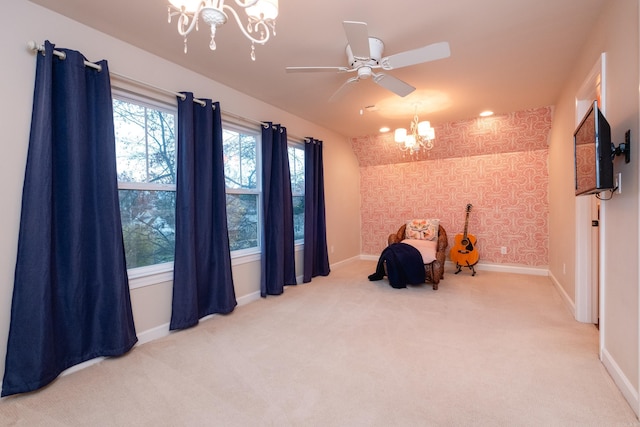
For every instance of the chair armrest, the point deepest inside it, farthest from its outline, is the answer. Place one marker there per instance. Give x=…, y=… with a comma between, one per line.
x=443, y=240
x=437, y=269
x=397, y=237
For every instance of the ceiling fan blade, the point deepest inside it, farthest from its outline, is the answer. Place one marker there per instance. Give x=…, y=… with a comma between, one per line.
x=317, y=69
x=358, y=38
x=341, y=90
x=427, y=53
x=393, y=84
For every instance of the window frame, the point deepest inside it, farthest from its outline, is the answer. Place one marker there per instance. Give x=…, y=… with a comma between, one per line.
x=298, y=146
x=162, y=272
x=242, y=256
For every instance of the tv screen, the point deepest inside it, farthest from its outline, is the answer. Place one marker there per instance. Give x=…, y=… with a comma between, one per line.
x=593, y=159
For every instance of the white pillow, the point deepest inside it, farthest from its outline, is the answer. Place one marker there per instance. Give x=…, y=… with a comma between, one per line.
x=427, y=248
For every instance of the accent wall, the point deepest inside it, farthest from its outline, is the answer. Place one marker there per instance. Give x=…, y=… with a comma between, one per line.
x=496, y=164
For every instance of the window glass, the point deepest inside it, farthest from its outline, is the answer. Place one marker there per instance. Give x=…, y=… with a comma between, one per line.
x=240, y=160
x=145, y=154
x=148, y=226
x=146, y=161
x=240, y=147
x=242, y=218
x=296, y=168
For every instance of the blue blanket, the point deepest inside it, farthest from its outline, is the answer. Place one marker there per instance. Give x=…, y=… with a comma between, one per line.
x=404, y=266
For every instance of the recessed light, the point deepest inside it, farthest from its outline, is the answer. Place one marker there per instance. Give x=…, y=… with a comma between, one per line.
x=384, y=129
x=486, y=113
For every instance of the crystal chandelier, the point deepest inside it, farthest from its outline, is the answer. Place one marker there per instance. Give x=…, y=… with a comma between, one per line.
x=420, y=136
x=261, y=16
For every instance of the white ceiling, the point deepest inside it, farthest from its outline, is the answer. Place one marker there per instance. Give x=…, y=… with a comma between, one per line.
x=506, y=55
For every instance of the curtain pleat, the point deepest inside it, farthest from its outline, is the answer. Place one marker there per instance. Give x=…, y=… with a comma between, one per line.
x=203, y=281
x=71, y=298
x=316, y=257
x=278, y=250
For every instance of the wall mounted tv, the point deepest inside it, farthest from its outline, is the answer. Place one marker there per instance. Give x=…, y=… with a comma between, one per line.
x=593, y=154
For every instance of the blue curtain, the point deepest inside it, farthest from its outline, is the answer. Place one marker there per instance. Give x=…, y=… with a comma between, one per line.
x=202, y=279
x=316, y=258
x=278, y=256
x=71, y=292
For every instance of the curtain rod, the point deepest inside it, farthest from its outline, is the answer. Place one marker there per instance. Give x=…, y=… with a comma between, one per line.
x=40, y=48
x=33, y=46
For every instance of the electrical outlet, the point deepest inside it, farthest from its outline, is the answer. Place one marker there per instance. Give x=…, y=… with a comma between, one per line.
x=503, y=250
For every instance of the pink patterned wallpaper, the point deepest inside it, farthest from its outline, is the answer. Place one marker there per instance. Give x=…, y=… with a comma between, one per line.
x=499, y=165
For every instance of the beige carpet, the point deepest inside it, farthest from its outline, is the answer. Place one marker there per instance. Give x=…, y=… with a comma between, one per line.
x=491, y=350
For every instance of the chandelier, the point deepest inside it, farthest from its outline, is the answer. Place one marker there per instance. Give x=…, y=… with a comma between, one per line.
x=420, y=136
x=261, y=16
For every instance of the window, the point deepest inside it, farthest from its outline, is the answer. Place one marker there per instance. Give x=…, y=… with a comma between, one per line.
x=242, y=178
x=145, y=133
x=146, y=153
x=296, y=168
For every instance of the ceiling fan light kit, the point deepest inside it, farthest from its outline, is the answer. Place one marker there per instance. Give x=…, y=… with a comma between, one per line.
x=261, y=15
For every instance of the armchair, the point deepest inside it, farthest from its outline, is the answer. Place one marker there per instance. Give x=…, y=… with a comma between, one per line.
x=434, y=271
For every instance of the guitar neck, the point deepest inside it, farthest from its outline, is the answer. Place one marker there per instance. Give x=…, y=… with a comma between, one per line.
x=466, y=225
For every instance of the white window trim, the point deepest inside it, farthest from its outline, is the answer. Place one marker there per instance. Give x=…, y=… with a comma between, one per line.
x=145, y=186
x=243, y=256
x=299, y=146
x=160, y=273
x=150, y=275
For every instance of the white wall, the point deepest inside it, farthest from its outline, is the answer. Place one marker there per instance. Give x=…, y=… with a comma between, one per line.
x=151, y=304
x=616, y=33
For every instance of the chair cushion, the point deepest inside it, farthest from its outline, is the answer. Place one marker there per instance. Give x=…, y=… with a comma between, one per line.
x=422, y=229
x=427, y=248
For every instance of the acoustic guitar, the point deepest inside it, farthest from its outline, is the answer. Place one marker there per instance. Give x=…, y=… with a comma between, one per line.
x=464, y=252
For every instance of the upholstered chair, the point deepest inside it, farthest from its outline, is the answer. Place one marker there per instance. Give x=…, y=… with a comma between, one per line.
x=434, y=270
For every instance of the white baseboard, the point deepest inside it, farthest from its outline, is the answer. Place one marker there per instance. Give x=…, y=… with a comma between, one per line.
x=563, y=295
x=347, y=261
x=501, y=268
x=154, y=334
x=143, y=337
x=509, y=268
x=80, y=366
x=246, y=299
x=625, y=386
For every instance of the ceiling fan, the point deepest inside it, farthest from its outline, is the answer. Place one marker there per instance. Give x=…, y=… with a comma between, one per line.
x=364, y=55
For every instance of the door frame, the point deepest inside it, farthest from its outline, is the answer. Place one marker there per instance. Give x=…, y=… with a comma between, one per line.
x=588, y=262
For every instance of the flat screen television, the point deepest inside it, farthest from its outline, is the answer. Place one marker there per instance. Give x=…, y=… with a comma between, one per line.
x=593, y=156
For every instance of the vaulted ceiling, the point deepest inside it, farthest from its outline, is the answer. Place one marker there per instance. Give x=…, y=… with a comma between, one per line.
x=506, y=55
